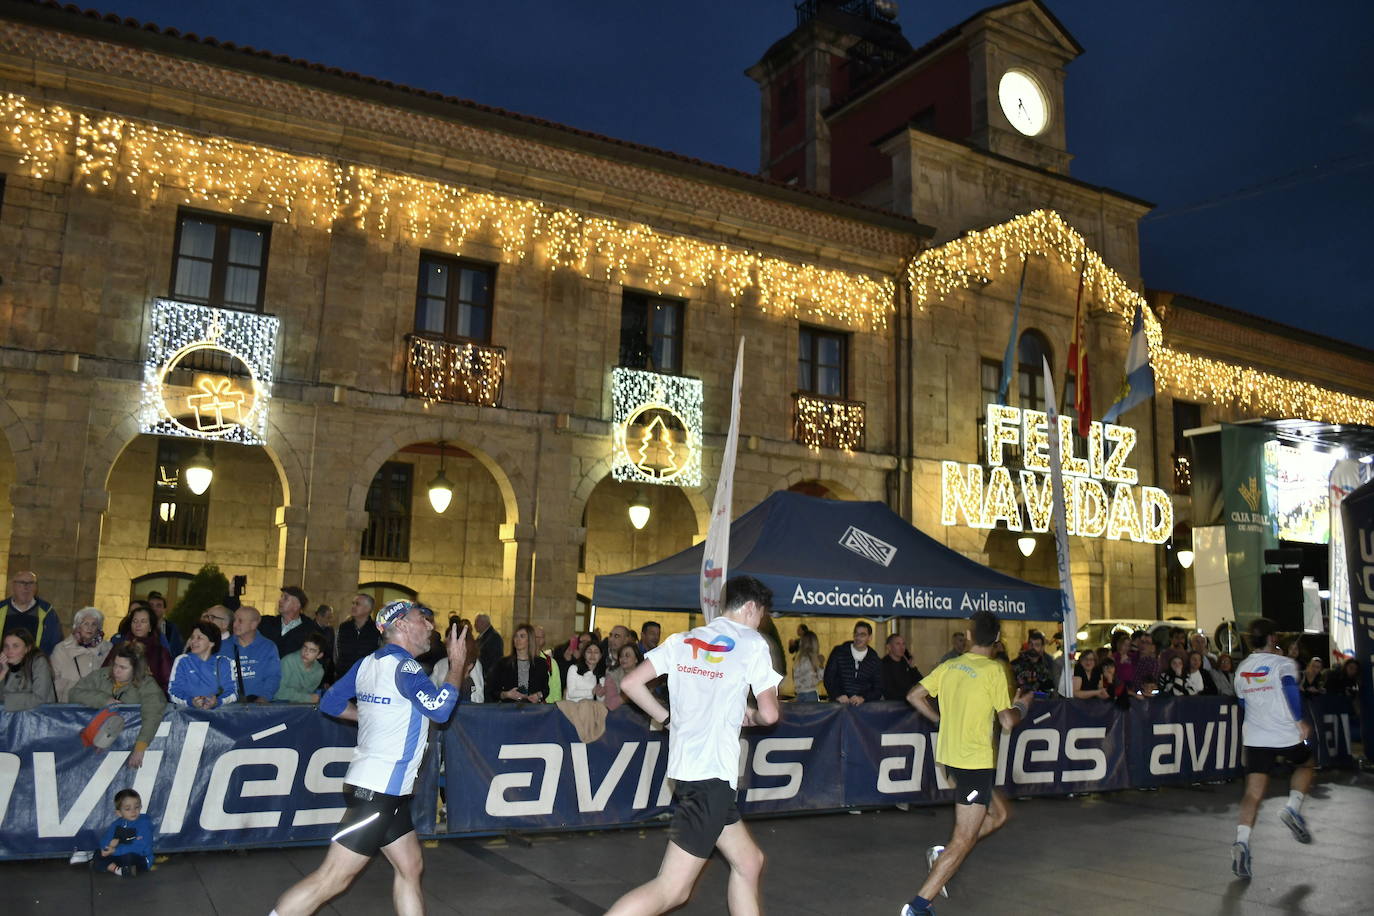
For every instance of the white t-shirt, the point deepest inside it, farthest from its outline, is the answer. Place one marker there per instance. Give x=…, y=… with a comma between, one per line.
x=1268, y=717
x=710, y=673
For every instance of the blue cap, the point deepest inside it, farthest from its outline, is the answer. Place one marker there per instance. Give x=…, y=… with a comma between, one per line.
x=392, y=612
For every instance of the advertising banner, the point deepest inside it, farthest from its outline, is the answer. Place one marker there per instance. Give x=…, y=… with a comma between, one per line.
x=1183, y=740
x=1249, y=522
x=1334, y=730
x=1357, y=520
x=1064, y=747
x=238, y=776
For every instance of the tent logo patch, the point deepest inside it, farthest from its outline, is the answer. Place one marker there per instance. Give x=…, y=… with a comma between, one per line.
x=867, y=546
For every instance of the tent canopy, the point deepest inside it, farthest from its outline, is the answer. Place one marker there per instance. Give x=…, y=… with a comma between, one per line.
x=840, y=558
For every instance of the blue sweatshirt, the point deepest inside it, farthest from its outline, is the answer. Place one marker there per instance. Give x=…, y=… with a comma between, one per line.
x=259, y=665
x=193, y=678
x=140, y=845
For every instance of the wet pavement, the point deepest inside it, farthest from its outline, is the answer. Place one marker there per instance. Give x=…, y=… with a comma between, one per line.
x=1119, y=853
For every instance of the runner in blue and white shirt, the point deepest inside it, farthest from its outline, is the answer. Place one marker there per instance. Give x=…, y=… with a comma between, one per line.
x=1274, y=729
x=388, y=694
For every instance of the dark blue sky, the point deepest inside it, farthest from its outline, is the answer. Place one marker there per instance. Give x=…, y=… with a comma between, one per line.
x=1250, y=125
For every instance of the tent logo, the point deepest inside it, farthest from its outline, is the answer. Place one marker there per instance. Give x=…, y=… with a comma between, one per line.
x=867, y=546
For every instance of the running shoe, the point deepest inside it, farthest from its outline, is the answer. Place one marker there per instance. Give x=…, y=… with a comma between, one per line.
x=1240, y=860
x=932, y=854
x=924, y=911
x=1296, y=823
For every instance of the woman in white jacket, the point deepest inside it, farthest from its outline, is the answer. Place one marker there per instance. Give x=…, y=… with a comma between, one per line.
x=587, y=676
x=80, y=653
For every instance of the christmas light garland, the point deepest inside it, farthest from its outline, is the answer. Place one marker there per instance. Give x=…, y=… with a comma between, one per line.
x=113, y=152
x=465, y=373
x=978, y=257
x=823, y=423
x=635, y=392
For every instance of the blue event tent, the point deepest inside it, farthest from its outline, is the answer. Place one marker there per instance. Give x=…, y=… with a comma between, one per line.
x=834, y=557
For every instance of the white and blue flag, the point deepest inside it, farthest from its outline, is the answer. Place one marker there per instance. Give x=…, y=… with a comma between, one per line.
x=1139, y=383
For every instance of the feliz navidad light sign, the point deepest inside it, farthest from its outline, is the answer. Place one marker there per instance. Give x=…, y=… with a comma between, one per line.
x=1102, y=492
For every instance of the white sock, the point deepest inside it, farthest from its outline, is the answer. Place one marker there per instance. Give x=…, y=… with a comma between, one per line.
x=1242, y=833
x=1295, y=800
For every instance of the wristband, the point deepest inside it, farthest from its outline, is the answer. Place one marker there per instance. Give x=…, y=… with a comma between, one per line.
x=666, y=719
x=1022, y=709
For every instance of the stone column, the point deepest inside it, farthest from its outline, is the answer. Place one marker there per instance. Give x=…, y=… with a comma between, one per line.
x=518, y=570
x=292, y=522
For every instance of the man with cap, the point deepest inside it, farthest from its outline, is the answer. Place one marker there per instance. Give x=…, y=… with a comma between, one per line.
x=288, y=629
x=389, y=696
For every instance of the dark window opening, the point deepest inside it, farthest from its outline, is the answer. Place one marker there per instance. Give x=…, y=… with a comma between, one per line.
x=822, y=358
x=387, y=536
x=651, y=333
x=454, y=298
x=179, y=517
x=789, y=102
x=220, y=261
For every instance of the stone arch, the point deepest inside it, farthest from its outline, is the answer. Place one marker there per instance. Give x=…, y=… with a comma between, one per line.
x=841, y=483
x=20, y=445
x=503, y=468
x=602, y=469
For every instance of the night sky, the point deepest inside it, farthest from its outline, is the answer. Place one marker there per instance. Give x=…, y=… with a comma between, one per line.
x=1249, y=125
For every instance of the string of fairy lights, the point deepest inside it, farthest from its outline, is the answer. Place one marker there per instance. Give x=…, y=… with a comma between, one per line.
x=152, y=160
x=978, y=257
x=155, y=161
x=823, y=423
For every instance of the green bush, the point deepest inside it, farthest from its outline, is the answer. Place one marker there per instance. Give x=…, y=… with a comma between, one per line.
x=208, y=588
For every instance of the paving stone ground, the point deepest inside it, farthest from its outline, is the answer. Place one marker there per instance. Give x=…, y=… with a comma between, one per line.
x=1121, y=853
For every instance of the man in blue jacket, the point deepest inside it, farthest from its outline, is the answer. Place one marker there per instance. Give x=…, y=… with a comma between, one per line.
x=388, y=694
x=23, y=608
x=257, y=665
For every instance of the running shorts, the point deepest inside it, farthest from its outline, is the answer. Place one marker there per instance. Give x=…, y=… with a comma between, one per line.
x=373, y=820
x=972, y=787
x=1262, y=759
x=703, y=809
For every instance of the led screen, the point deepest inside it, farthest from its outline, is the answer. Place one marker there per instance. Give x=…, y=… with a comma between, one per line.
x=1298, y=480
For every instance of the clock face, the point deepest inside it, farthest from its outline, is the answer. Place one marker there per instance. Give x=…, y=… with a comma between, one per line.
x=1023, y=102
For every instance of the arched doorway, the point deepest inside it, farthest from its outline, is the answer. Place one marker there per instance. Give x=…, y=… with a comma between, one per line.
x=156, y=525
x=453, y=561
x=613, y=545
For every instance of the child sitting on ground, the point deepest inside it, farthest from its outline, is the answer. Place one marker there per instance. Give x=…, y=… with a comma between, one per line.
x=127, y=847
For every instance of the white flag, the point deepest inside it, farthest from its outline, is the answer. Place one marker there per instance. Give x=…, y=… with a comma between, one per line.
x=1061, y=541
x=717, y=552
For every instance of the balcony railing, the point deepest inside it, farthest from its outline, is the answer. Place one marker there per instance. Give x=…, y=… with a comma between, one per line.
x=820, y=422
x=1183, y=475
x=465, y=373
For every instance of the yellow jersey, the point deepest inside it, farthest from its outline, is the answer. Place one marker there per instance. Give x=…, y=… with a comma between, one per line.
x=972, y=689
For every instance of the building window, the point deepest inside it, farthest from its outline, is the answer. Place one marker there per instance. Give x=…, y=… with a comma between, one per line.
x=789, y=102
x=453, y=298
x=388, y=513
x=821, y=363
x=220, y=261
x=1031, y=352
x=990, y=385
x=651, y=333
x=179, y=517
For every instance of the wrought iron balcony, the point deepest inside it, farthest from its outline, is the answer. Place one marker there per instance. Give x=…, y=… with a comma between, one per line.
x=465, y=373
x=820, y=422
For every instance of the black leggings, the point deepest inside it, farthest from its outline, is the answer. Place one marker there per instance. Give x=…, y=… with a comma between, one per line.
x=127, y=860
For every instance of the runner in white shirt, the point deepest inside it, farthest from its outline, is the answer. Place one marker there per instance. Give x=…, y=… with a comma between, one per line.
x=711, y=671
x=1274, y=729
x=388, y=694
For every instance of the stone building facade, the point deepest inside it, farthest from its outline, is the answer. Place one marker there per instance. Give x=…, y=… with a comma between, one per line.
x=348, y=198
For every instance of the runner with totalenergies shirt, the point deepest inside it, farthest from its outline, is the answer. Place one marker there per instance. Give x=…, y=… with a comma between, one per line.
x=711, y=671
x=1274, y=730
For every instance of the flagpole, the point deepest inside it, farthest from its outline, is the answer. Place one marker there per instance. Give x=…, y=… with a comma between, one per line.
x=1061, y=542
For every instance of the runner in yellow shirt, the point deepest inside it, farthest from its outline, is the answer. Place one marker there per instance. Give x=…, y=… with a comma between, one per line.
x=972, y=690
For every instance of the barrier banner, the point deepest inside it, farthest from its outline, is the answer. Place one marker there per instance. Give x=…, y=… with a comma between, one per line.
x=1180, y=740
x=1333, y=730
x=889, y=756
x=1064, y=747
x=238, y=776
x=517, y=768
